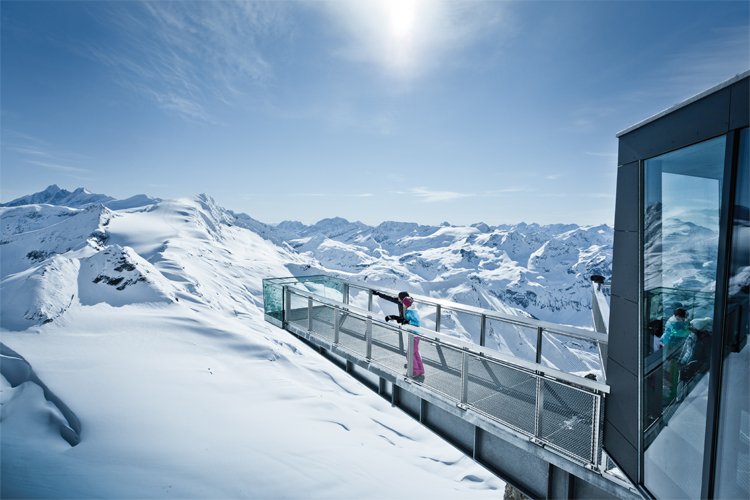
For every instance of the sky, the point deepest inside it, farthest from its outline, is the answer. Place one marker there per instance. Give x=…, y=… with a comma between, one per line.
x=407, y=110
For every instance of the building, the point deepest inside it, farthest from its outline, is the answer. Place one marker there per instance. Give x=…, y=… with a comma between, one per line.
x=678, y=418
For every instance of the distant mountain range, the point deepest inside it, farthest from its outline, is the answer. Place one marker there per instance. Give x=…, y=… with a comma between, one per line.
x=63, y=250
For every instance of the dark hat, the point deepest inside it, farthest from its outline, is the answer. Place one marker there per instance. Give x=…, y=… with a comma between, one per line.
x=402, y=295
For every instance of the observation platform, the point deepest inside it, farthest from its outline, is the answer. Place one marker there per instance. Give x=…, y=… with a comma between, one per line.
x=535, y=426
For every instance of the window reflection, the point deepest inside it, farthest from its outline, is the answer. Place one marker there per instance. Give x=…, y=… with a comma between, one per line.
x=681, y=241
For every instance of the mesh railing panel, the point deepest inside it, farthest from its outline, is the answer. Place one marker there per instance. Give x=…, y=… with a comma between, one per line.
x=352, y=334
x=505, y=393
x=566, y=419
x=388, y=348
x=494, y=388
x=442, y=368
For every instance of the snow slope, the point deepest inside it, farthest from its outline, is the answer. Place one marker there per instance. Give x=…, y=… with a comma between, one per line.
x=144, y=325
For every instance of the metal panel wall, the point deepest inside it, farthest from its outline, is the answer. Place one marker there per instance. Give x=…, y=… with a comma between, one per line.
x=700, y=120
x=621, y=417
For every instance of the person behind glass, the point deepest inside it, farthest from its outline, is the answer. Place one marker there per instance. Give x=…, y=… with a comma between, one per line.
x=676, y=331
x=695, y=349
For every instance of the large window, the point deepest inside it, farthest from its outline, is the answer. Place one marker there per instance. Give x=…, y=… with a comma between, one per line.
x=682, y=192
x=733, y=459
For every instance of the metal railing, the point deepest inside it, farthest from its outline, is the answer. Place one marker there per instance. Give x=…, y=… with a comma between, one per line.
x=535, y=337
x=554, y=409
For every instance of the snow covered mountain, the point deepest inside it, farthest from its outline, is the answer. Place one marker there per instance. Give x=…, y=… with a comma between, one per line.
x=541, y=270
x=121, y=300
x=136, y=363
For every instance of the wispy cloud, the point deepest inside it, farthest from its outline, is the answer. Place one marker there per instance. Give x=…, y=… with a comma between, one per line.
x=430, y=195
x=407, y=38
x=24, y=148
x=58, y=167
x=189, y=56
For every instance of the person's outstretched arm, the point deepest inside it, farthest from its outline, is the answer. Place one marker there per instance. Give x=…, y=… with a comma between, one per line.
x=387, y=297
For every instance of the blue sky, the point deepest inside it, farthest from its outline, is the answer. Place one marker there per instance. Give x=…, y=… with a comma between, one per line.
x=408, y=110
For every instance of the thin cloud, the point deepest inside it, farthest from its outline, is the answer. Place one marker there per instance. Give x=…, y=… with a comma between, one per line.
x=431, y=196
x=58, y=167
x=189, y=56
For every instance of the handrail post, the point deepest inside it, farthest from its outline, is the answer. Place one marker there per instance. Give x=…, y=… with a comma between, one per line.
x=596, y=408
x=368, y=337
x=437, y=317
x=309, y=314
x=409, y=353
x=464, y=377
x=538, y=410
x=482, y=330
x=539, y=331
x=369, y=300
x=336, y=326
x=287, y=304
x=346, y=293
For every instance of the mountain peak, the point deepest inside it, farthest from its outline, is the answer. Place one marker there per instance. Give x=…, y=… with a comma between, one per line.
x=55, y=195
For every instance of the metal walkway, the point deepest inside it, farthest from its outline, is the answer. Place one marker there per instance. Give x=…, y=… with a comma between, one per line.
x=535, y=426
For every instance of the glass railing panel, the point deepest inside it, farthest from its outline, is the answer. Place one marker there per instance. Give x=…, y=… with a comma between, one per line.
x=502, y=392
x=566, y=419
x=323, y=317
x=360, y=299
x=512, y=339
x=273, y=300
x=460, y=324
x=572, y=355
x=352, y=334
x=297, y=314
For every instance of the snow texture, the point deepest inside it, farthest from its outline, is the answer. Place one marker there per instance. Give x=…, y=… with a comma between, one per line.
x=136, y=363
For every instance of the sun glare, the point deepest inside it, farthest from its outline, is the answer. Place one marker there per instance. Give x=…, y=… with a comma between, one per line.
x=401, y=18
x=402, y=34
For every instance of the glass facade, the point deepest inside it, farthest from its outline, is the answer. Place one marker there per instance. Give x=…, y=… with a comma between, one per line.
x=733, y=450
x=681, y=228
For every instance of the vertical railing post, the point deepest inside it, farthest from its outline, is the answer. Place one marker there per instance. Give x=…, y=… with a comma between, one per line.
x=346, y=293
x=309, y=314
x=369, y=300
x=336, y=326
x=482, y=330
x=538, y=409
x=368, y=338
x=539, y=331
x=464, y=377
x=409, y=353
x=287, y=304
x=437, y=317
x=596, y=408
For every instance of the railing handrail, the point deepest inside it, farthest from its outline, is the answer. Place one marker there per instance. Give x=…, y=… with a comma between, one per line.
x=494, y=355
x=569, y=330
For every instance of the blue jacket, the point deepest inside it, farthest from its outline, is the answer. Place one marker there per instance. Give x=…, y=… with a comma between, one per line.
x=675, y=333
x=412, y=317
